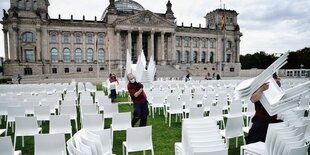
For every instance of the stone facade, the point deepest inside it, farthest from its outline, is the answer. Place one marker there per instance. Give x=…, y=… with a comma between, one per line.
x=36, y=44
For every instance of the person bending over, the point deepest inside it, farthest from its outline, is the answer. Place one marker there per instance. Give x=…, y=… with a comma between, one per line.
x=139, y=99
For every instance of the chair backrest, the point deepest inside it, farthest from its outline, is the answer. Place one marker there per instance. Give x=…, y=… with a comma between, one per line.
x=235, y=108
x=88, y=109
x=216, y=111
x=68, y=110
x=93, y=122
x=60, y=124
x=121, y=121
x=282, y=142
x=26, y=125
x=49, y=144
x=13, y=112
x=139, y=138
x=196, y=112
x=6, y=146
x=92, y=140
x=234, y=126
x=176, y=106
x=42, y=112
x=109, y=110
x=105, y=136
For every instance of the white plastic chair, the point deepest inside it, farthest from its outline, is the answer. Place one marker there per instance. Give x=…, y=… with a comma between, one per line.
x=12, y=113
x=25, y=126
x=233, y=129
x=138, y=139
x=176, y=107
x=235, y=109
x=196, y=112
x=157, y=102
x=120, y=121
x=250, y=112
x=42, y=113
x=6, y=146
x=49, y=144
x=71, y=111
x=60, y=124
x=216, y=113
x=109, y=110
x=93, y=122
x=87, y=109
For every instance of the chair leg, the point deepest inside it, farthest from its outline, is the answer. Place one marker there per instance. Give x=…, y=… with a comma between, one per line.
x=236, y=142
x=14, y=141
x=6, y=131
x=153, y=112
x=169, y=119
x=23, y=142
x=152, y=151
x=227, y=141
x=112, y=137
x=123, y=149
x=143, y=152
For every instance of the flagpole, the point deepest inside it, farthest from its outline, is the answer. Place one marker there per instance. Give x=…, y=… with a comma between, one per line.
x=109, y=56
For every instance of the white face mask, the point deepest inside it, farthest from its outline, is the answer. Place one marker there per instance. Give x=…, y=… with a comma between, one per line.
x=133, y=80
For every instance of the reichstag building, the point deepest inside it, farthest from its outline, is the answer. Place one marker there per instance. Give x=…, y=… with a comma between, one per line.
x=36, y=44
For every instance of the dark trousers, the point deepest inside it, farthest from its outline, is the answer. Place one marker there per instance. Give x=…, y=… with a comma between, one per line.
x=113, y=94
x=141, y=112
x=258, y=130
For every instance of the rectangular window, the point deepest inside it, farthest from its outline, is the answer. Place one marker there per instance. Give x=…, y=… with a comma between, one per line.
x=66, y=39
x=66, y=70
x=78, y=39
x=27, y=71
x=54, y=70
x=90, y=69
x=29, y=54
x=232, y=69
x=89, y=39
x=178, y=42
x=78, y=69
x=102, y=68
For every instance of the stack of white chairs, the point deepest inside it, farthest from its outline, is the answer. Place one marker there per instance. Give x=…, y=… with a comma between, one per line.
x=200, y=136
x=281, y=139
x=86, y=142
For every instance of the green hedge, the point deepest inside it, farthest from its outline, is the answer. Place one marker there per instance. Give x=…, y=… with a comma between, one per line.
x=5, y=80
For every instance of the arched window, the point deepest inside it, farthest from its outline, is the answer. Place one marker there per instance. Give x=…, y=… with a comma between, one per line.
x=54, y=55
x=195, y=57
x=28, y=37
x=101, y=55
x=186, y=57
x=211, y=57
x=90, y=55
x=67, y=55
x=178, y=56
x=203, y=57
x=78, y=55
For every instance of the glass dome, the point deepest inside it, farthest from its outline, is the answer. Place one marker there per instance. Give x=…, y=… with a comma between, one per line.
x=125, y=6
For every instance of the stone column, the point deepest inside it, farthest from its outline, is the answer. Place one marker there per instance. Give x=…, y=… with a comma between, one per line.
x=151, y=52
x=162, y=47
x=199, y=55
x=129, y=42
x=38, y=44
x=117, y=46
x=60, y=53
x=237, y=43
x=13, y=43
x=191, y=50
x=173, y=51
x=139, y=50
x=72, y=49
x=6, y=48
x=96, y=47
x=84, y=50
x=208, y=50
x=182, y=49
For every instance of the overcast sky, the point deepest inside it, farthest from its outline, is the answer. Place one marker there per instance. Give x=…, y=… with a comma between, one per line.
x=274, y=26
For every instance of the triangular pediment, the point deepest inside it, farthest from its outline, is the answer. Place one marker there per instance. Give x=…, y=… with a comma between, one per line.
x=145, y=18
